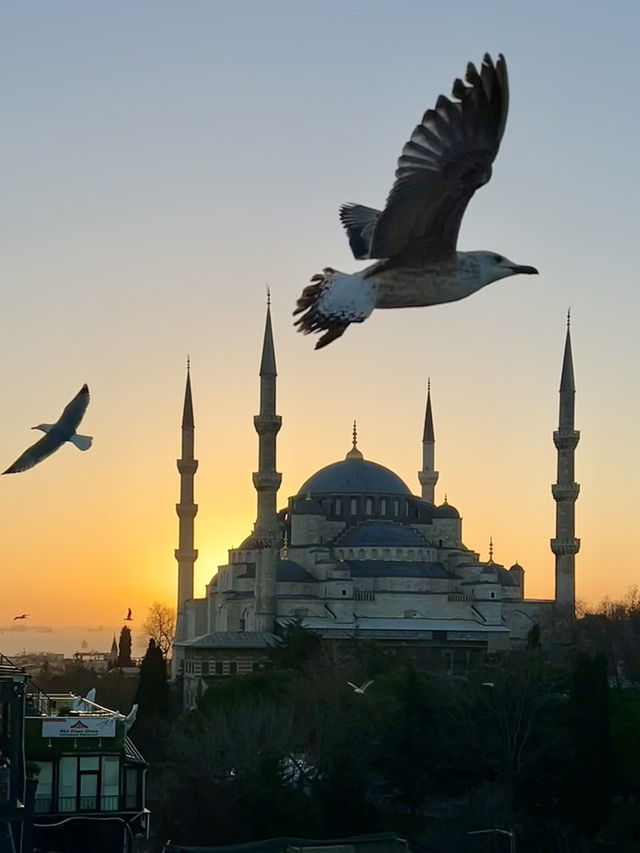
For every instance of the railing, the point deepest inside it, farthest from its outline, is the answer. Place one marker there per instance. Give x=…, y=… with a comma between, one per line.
x=458, y=596
x=112, y=803
x=37, y=701
x=364, y=595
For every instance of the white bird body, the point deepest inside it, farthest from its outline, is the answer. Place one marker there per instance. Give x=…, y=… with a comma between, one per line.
x=357, y=689
x=55, y=435
x=448, y=157
x=82, y=442
x=351, y=297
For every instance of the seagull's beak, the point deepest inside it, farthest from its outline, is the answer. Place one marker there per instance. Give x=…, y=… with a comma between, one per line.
x=524, y=269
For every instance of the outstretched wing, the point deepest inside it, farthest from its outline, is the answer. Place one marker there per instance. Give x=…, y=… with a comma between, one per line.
x=44, y=447
x=74, y=411
x=447, y=158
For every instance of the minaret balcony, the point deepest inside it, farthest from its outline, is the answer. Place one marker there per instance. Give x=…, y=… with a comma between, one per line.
x=190, y=555
x=567, y=492
x=187, y=466
x=566, y=439
x=562, y=547
x=265, y=424
x=428, y=478
x=266, y=481
x=187, y=510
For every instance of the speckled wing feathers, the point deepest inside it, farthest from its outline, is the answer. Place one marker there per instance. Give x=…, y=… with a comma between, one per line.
x=448, y=156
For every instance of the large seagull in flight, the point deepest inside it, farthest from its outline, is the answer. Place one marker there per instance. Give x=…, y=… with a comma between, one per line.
x=448, y=157
x=56, y=434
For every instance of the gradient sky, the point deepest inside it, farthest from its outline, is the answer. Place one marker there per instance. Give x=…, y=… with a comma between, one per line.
x=161, y=162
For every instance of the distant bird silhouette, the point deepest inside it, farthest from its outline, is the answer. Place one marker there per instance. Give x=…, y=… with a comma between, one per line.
x=23, y=616
x=414, y=239
x=63, y=430
x=357, y=689
x=127, y=618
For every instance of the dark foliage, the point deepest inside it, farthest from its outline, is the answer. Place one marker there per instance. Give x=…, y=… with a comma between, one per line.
x=124, y=648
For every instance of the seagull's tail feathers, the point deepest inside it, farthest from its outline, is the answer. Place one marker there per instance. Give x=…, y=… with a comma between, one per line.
x=359, y=222
x=82, y=442
x=332, y=302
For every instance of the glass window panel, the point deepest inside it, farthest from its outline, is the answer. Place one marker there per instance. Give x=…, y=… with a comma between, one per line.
x=131, y=781
x=89, y=762
x=110, y=775
x=88, y=790
x=67, y=783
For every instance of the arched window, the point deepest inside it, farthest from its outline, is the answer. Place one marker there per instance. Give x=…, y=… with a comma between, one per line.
x=396, y=507
x=354, y=506
x=399, y=553
x=374, y=553
x=338, y=506
x=369, y=506
x=361, y=554
x=383, y=506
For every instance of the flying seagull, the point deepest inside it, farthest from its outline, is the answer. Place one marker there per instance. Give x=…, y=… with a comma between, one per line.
x=56, y=434
x=23, y=616
x=357, y=689
x=448, y=157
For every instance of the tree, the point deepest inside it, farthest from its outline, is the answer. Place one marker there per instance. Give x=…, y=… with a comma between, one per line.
x=124, y=648
x=152, y=694
x=160, y=625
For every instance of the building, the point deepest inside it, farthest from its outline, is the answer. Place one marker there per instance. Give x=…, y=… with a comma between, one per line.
x=16, y=792
x=91, y=777
x=356, y=551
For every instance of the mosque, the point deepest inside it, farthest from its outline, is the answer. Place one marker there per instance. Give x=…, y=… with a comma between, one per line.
x=355, y=553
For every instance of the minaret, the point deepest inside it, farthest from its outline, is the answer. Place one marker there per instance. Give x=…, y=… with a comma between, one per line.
x=565, y=492
x=428, y=477
x=267, y=482
x=185, y=553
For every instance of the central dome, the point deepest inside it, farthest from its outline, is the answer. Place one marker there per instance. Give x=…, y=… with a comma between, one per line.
x=354, y=475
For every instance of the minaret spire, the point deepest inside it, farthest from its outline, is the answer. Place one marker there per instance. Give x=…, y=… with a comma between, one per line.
x=428, y=477
x=565, y=492
x=185, y=553
x=267, y=482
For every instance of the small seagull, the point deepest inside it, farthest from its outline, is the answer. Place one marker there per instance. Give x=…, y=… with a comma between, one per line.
x=448, y=157
x=23, y=616
x=56, y=434
x=127, y=618
x=357, y=689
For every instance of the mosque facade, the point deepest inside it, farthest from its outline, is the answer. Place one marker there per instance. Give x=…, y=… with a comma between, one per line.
x=356, y=553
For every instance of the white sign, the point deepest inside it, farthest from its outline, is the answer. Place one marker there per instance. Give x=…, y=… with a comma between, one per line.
x=79, y=727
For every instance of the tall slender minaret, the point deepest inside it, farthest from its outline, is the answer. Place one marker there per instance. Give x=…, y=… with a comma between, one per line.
x=185, y=553
x=267, y=482
x=565, y=492
x=428, y=477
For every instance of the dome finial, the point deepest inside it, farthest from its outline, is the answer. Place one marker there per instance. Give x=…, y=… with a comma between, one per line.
x=354, y=453
x=569, y=317
x=491, y=549
x=188, y=363
x=284, y=554
x=268, y=296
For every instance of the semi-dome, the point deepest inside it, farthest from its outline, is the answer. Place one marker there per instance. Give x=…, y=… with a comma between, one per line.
x=385, y=533
x=354, y=476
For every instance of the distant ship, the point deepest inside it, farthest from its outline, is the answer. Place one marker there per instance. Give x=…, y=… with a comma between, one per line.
x=96, y=629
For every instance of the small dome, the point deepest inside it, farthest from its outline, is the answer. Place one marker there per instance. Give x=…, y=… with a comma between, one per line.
x=307, y=506
x=446, y=510
x=516, y=567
